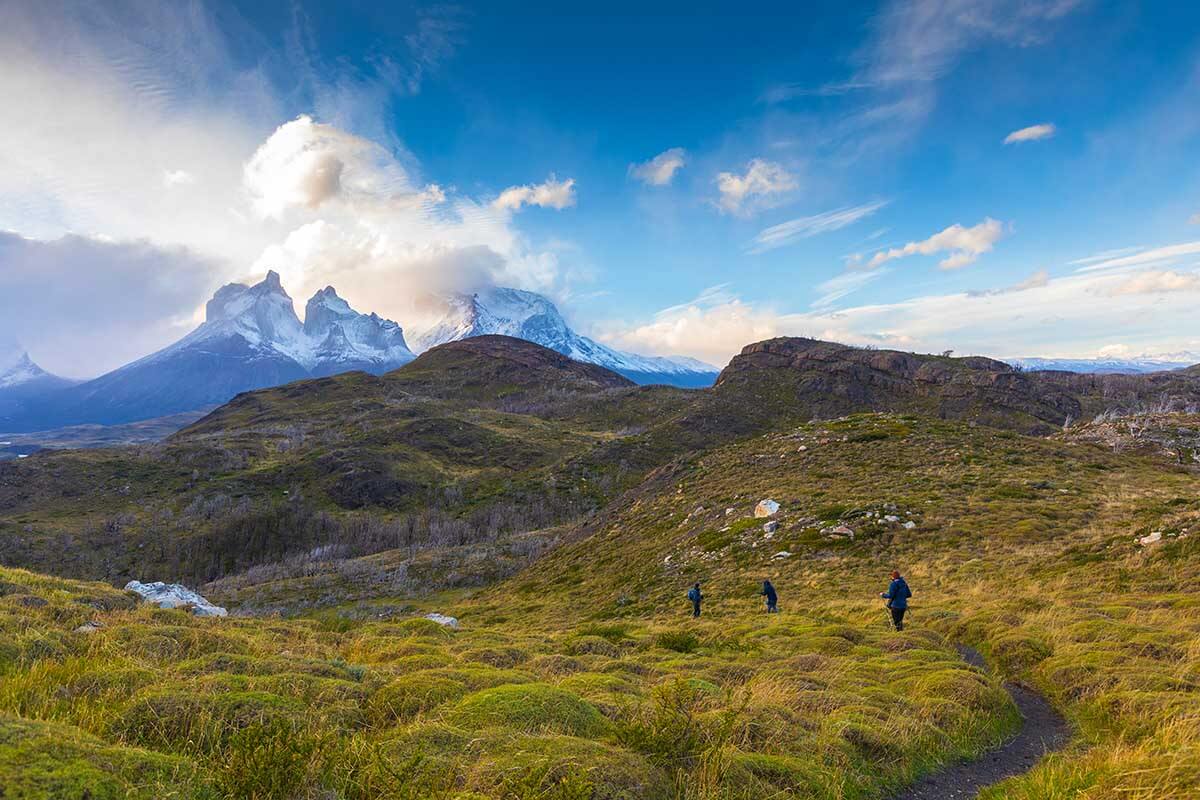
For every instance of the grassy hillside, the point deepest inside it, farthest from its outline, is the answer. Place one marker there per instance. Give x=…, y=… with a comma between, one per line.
x=351, y=465
x=584, y=676
x=561, y=519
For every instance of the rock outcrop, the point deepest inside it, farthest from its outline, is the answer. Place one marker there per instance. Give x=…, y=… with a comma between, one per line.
x=174, y=595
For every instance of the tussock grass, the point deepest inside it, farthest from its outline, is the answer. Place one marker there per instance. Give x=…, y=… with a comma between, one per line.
x=585, y=677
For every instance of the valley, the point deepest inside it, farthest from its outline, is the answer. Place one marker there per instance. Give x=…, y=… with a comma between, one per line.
x=559, y=512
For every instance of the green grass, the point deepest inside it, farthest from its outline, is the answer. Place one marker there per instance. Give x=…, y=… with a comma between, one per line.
x=582, y=675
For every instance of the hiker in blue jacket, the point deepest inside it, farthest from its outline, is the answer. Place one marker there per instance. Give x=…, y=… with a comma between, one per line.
x=768, y=591
x=695, y=596
x=897, y=596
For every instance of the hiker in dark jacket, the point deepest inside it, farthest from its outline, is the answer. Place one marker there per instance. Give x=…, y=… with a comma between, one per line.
x=897, y=596
x=695, y=596
x=768, y=591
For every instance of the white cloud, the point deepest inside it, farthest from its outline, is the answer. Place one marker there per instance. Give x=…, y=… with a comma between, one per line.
x=305, y=164
x=1158, y=282
x=791, y=231
x=1146, y=257
x=964, y=245
x=1035, y=281
x=842, y=285
x=703, y=330
x=552, y=193
x=1031, y=134
x=83, y=306
x=178, y=177
x=660, y=170
x=743, y=194
x=1194, y=219
x=1069, y=317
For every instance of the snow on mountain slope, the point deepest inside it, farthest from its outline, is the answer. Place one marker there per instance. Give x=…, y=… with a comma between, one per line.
x=24, y=386
x=344, y=339
x=333, y=337
x=530, y=316
x=251, y=339
x=1109, y=366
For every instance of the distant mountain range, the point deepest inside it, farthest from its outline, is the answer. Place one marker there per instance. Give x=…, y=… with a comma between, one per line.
x=252, y=339
x=1109, y=366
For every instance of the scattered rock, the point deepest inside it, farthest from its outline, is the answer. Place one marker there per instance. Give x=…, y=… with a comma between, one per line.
x=174, y=595
x=442, y=619
x=908, y=526
x=781, y=555
x=803, y=448
x=766, y=508
x=90, y=627
x=31, y=601
x=840, y=532
x=1156, y=536
x=891, y=518
x=771, y=527
x=729, y=511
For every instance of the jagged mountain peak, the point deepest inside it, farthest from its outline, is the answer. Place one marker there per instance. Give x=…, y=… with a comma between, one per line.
x=528, y=315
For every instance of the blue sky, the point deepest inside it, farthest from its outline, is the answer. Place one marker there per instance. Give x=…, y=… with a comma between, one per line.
x=1008, y=178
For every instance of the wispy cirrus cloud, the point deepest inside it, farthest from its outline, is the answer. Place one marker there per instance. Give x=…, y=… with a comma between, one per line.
x=845, y=284
x=1142, y=257
x=1031, y=134
x=660, y=170
x=794, y=230
x=964, y=245
x=1035, y=281
x=758, y=187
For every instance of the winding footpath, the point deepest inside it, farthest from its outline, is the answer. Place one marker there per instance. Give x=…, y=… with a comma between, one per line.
x=1043, y=731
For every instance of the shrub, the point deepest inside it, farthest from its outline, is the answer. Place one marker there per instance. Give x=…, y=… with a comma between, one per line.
x=591, y=645
x=409, y=695
x=532, y=708
x=274, y=760
x=179, y=720
x=679, y=641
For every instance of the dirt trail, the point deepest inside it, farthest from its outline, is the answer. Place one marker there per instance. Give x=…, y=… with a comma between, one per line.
x=1043, y=731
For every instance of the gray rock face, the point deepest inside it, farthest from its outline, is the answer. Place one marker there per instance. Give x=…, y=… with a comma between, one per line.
x=174, y=595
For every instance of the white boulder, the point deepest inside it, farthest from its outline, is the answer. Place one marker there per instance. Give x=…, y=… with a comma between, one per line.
x=908, y=526
x=770, y=528
x=1153, y=538
x=174, y=595
x=766, y=508
x=442, y=619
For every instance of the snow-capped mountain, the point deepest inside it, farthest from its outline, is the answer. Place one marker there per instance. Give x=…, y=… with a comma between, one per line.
x=530, y=316
x=251, y=339
x=24, y=385
x=1109, y=366
x=20, y=371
